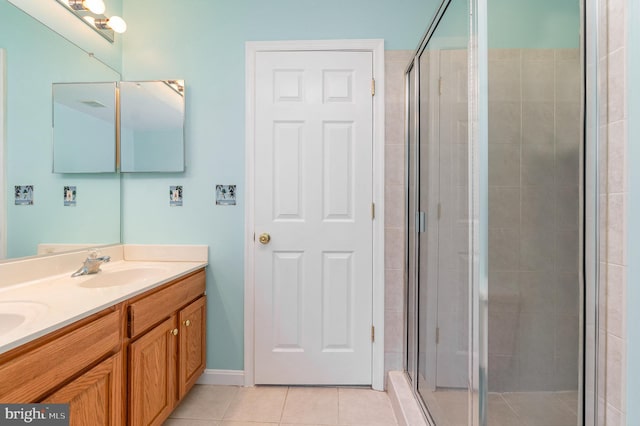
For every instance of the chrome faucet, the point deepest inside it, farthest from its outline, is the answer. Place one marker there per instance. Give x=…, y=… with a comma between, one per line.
x=91, y=264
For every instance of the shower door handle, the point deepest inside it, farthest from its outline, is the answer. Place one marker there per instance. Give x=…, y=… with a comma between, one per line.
x=421, y=222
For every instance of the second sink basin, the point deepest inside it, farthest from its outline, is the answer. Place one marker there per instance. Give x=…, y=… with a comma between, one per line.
x=122, y=277
x=13, y=314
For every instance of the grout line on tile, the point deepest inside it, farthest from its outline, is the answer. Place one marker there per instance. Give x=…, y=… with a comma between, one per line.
x=226, y=408
x=339, y=419
x=284, y=404
x=515, y=413
x=573, y=409
x=338, y=406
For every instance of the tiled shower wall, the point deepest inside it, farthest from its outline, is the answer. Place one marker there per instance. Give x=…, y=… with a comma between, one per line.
x=395, y=63
x=534, y=163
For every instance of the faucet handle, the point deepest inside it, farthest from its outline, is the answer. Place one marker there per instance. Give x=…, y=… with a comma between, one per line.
x=93, y=253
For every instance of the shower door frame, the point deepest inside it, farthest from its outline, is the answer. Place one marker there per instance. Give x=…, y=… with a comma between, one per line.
x=590, y=364
x=476, y=361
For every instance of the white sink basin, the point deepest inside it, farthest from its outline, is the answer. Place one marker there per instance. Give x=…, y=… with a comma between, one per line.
x=14, y=314
x=114, y=278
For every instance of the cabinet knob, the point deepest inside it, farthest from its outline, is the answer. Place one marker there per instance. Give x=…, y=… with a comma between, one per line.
x=174, y=332
x=187, y=323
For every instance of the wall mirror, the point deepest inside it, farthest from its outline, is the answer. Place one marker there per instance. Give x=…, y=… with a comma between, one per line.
x=35, y=58
x=152, y=126
x=84, y=127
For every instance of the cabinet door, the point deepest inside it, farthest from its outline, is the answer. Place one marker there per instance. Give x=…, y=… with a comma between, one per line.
x=192, y=355
x=152, y=375
x=48, y=363
x=95, y=398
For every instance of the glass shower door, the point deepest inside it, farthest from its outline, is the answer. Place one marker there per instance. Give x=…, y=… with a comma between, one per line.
x=496, y=215
x=438, y=217
x=534, y=182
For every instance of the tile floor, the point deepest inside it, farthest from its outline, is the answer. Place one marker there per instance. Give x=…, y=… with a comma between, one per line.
x=284, y=406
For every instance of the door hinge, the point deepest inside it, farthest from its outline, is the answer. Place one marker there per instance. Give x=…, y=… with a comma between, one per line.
x=440, y=86
x=254, y=237
x=437, y=335
x=373, y=87
x=373, y=211
x=439, y=210
x=373, y=334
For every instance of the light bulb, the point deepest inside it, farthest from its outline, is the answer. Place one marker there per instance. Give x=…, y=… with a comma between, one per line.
x=95, y=6
x=117, y=24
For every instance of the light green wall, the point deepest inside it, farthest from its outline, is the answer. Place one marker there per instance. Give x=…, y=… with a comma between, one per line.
x=203, y=41
x=533, y=24
x=59, y=19
x=521, y=24
x=35, y=58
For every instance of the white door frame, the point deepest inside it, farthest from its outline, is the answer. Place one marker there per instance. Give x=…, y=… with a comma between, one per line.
x=376, y=47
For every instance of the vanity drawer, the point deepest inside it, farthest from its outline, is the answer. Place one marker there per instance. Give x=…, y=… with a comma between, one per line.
x=150, y=310
x=34, y=373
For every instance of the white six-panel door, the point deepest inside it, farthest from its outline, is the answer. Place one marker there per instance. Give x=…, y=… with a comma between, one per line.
x=313, y=198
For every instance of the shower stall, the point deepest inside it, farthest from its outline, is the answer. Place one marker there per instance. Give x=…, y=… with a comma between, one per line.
x=499, y=295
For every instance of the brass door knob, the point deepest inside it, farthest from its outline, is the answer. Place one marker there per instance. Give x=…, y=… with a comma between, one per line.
x=187, y=323
x=264, y=238
x=174, y=332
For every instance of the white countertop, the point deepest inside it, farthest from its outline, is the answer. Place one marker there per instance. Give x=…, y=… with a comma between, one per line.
x=32, y=309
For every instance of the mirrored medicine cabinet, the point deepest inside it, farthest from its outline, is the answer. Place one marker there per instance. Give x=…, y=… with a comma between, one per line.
x=130, y=126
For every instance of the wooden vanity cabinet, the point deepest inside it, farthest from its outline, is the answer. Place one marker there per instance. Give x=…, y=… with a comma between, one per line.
x=166, y=352
x=128, y=364
x=80, y=364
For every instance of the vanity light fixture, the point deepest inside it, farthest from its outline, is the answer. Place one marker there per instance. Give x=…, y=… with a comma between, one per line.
x=115, y=23
x=91, y=12
x=94, y=6
x=177, y=85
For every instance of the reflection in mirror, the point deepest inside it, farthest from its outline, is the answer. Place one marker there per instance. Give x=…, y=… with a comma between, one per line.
x=36, y=57
x=84, y=127
x=152, y=126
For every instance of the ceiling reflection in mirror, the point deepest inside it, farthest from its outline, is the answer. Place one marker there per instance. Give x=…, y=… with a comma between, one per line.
x=65, y=208
x=152, y=126
x=84, y=127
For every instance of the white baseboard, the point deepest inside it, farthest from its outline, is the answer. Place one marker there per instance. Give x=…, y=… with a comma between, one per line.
x=222, y=377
